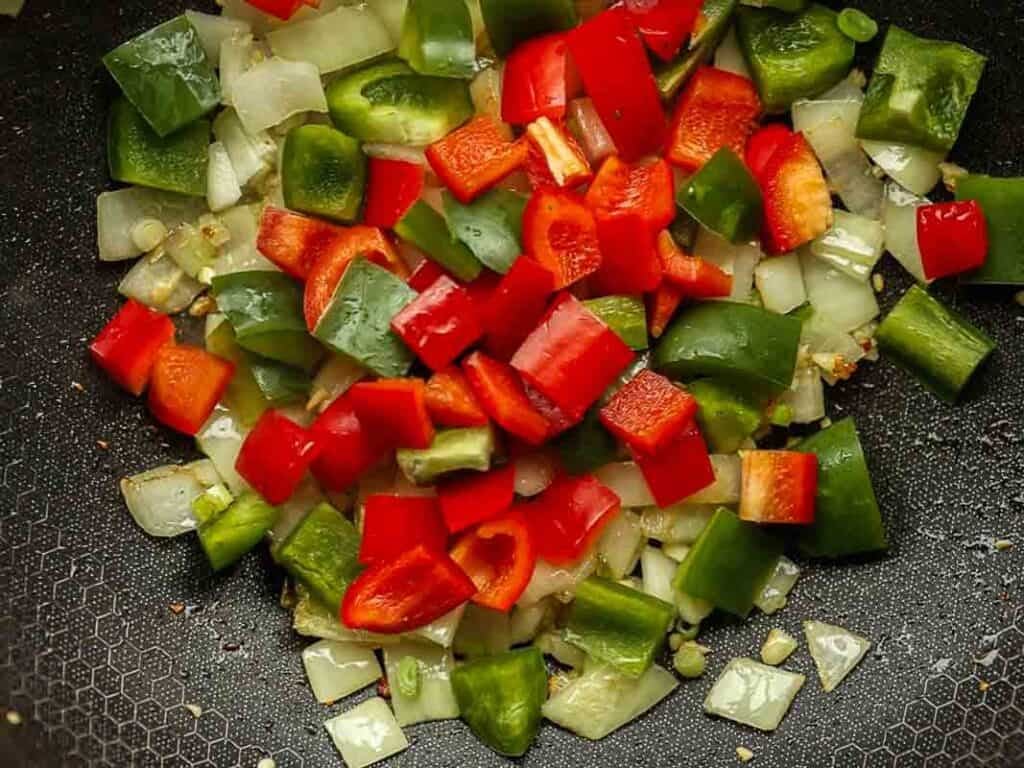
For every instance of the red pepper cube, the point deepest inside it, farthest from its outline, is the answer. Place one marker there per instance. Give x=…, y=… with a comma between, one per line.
x=499, y=556
x=392, y=188
x=424, y=276
x=558, y=420
x=451, y=402
x=797, y=201
x=295, y=242
x=560, y=233
x=952, y=237
x=629, y=257
x=664, y=24
x=691, y=276
x=516, y=306
x=392, y=525
x=762, y=145
x=393, y=412
x=645, y=190
x=275, y=456
x=475, y=157
x=678, y=470
x=473, y=498
x=282, y=9
x=346, y=451
x=500, y=391
x=571, y=357
x=439, y=324
x=185, y=386
x=649, y=412
x=779, y=487
x=568, y=517
x=126, y=349
x=538, y=80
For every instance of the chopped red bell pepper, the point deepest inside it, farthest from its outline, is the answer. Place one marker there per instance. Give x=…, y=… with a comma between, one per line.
x=475, y=157
x=629, y=256
x=571, y=357
x=559, y=231
x=779, y=487
x=500, y=391
x=662, y=306
x=407, y=593
x=516, y=306
x=953, y=238
x=763, y=144
x=392, y=188
x=481, y=289
x=649, y=412
x=282, y=9
x=694, y=277
x=392, y=525
x=564, y=160
x=539, y=80
x=185, y=385
x=295, y=242
x=797, y=203
x=425, y=274
x=346, y=450
x=568, y=517
x=644, y=189
x=499, y=556
x=617, y=76
x=476, y=497
x=664, y=24
x=557, y=419
x=275, y=456
x=128, y=345
x=717, y=109
x=393, y=412
x=678, y=470
x=451, y=402
x=439, y=324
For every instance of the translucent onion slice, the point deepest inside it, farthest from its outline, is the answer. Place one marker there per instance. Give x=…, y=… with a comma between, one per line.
x=780, y=282
x=773, y=596
x=485, y=91
x=753, y=694
x=822, y=336
x=222, y=188
x=729, y=57
x=367, y=734
x=853, y=245
x=692, y=610
x=777, y=647
x=620, y=544
x=482, y=632
x=160, y=500
x=552, y=644
x=310, y=618
x=293, y=511
x=627, y=482
x=274, y=90
x=534, y=473
x=220, y=440
x=658, y=570
x=316, y=40
x=251, y=154
x=526, y=621
x=436, y=699
x=806, y=398
x=899, y=215
x=835, y=651
x=237, y=56
x=391, y=13
x=337, y=669
x=213, y=30
x=678, y=524
x=332, y=380
x=442, y=631
x=400, y=152
x=559, y=581
x=158, y=282
x=739, y=260
x=118, y=213
x=726, y=488
x=846, y=302
x=913, y=168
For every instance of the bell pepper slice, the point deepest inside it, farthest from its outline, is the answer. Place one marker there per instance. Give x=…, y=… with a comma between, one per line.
x=185, y=385
x=499, y=556
x=515, y=307
x=629, y=256
x=693, y=276
x=500, y=698
x=727, y=415
x=500, y=391
x=538, y=80
x=295, y=242
x=619, y=625
x=1001, y=201
x=952, y=238
x=566, y=164
x=797, y=201
x=763, y=144
x=323, y=173
x=662, y=306
x=127, y=347
x=664, y=24
x=725, y=198
x=275, y=456
x=228, y=534
x=649, y=412
x=586, y=446
x=560, y=233
x=393, y=187
x=393, y=412
x=451, y=402
x=491, y=226
x=451, y=451
x=475, y=157
x=427, y=230
x=625, y=315
x=568, y=340
x=617, y=75
x=437, y=38
x=282, y=9
x=346, y=449
x=644, y=189
x=322, y=552
x=568, y=517
x=511, y=23
x=392, y=525
x=244, y=396
x=711, y=26
x=467, y=501
x=424, y=275
x=406, y=593
x=439, y=324
x=779, y=487
x=679, y=469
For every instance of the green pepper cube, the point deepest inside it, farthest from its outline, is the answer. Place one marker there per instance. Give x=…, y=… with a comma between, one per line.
x=451, y=451
x=742, y=344
x=847, y=520
x=717, y=15
x=920, y=91
x=1002, y=201
x=426, y=229
x=501, y=696
x=491, y=226
x=323, y=173
x=626, y=315
x=724, y=197
x=726, y=414
x=244, y=397
x=511, y=22
x=226, y=535
x=934, y=343
x=165, y=73
x=322, y=552
x=388, y=102
x=280, y=384
x=437, y=38
x=729, y=564
x=586, y=446
x=357, y=322
x=137, y=155
x=793, y=56
x=265, y=311
x=619, y=625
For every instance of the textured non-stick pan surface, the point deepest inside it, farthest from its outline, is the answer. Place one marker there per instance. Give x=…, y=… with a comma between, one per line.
x=100, y=667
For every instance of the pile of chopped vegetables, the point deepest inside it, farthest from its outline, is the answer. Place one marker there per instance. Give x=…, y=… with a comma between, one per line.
x=519, y=315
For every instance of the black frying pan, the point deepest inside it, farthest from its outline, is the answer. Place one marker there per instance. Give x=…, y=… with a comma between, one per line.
x=98, y=665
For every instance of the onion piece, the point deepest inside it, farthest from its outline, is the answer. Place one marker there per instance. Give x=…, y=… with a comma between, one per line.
x=726, y=488
x=899, y=215
x=526, y=621
x=436, y=699
x=214, y=30
x=587, y=127
x=627, y=482
x=678, y=524
x=806, y=397
x=367, y=734
x=913, y=168
x=222, y=188
x=237, y=56
x=753, y=694
x=482, y=632
x=243, y=225
x=850, y=87
x=391, y=13
x=677, y=552
x=835, y=651
x=293, y=511
x=401, y=152
x=441, y=631
x=317, y=40
x=251, y=154
x=332, y=380
x=659, y=571
x=692, y=610
x=560, y=581
x=846, y=302
x=853, y=245
x=337, y=669
x=729, y=57
x=118, y=213
x=821, y=336
x=485, y=91
x=620, y=544
x=274, y=90
x=552, y=644
x=534, y=473
x=158, y=282
x=780, y=281
x=739, y=260
x=160, y=500
x=220, y=439
x=773, y=596
x=310, y=618
x=777, y=647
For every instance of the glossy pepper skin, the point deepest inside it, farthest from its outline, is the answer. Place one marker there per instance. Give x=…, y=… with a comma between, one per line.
x=476, y=497
x=1001, y=200
x=392, y=525
x=451, y=402
x=346, y=449
x=500, y=391
x=282, y=9
x=625, y=315
x=491, y=227
x=538, y=80
x=322, y=552
x=691, y=276
x=475, y=157
x=439, y=324
x=513, y=22
x=762, y=144
x=437, y=38
x=323, y=173
x=797, y=201
x=679, y=469
x=275, y=456
x=228, y=535
x=185, y=385
x=393, y=412
x=427, y=230
x=127, y=347
x=393, y=187
x=779, y=487
x=499, y=556
x=952, y=238
x=665, y=25
x=560, y=233
x=725, y=198
x=295, y=242
x=649, y=412
x=569, y=516
x=516, y=306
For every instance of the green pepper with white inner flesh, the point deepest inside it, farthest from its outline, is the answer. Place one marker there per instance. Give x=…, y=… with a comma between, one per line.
x=452, y=450
x=626, y=315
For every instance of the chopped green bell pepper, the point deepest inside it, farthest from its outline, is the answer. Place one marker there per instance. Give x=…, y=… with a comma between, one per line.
x=244, y=397
x=793, y=56
x=857, y=25
x=491, y=226
x=280, y=384
x=937, y=345
x=920, y=91
x=729, y=564
x=618, y=625
x=388, y=102
x=426, y=229
x=500, y=698
x=437, y=38
x=357, y=323
x=452, y=450
x=226, y=535
x=847, y=520
x=322, y=552
x=137, y=155
x=323, y=172
x=739, y=343
x=684, y=230
x=511, y=22
x=716, y=15
x=265, y=311
x=165, y=74
x=626, y=315
x=726, y=414
x=724, y=197
x=1002, y=201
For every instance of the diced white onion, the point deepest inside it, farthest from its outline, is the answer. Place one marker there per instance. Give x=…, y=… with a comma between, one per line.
x=784, y=577
x=835, y=651
x=560, y=581
x=482, y=632
x=243, y=225
x=237, y=56
x=294, y=511
x=739, y=260
x=441, y=631
x=160, y=500
x=213, y=30
x=526, y=621
x=251, y=154
x=777, y=647
x=220, y=439
x=658, y=570
x=621, y=543
x=780, y=282
x=627, y=482
x=806, y=398
x=222, y=190
x=367, y=734
x=552, y=644
x=318, y=40
x=119, y=212
x=823, y=337
x=853, y=245
x=534, y=473
x=850, y=87
x=678, y=524
x=274, y=90
x=913, y=168
x=590, y=130
x=391, y=13
x=436, y=699
x=332, y=380
x=899, y=215
x=337, y=669
x=729, y=57
x=692, y=610
x=846, y=302
x=310, y=618
x=677, y=552
x=726, y=488
x=485, y=91
x=158, y=282
x=753, y=694
x=400, y=152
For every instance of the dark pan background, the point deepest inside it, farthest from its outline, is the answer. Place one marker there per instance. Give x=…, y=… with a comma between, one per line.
x=100, y=667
